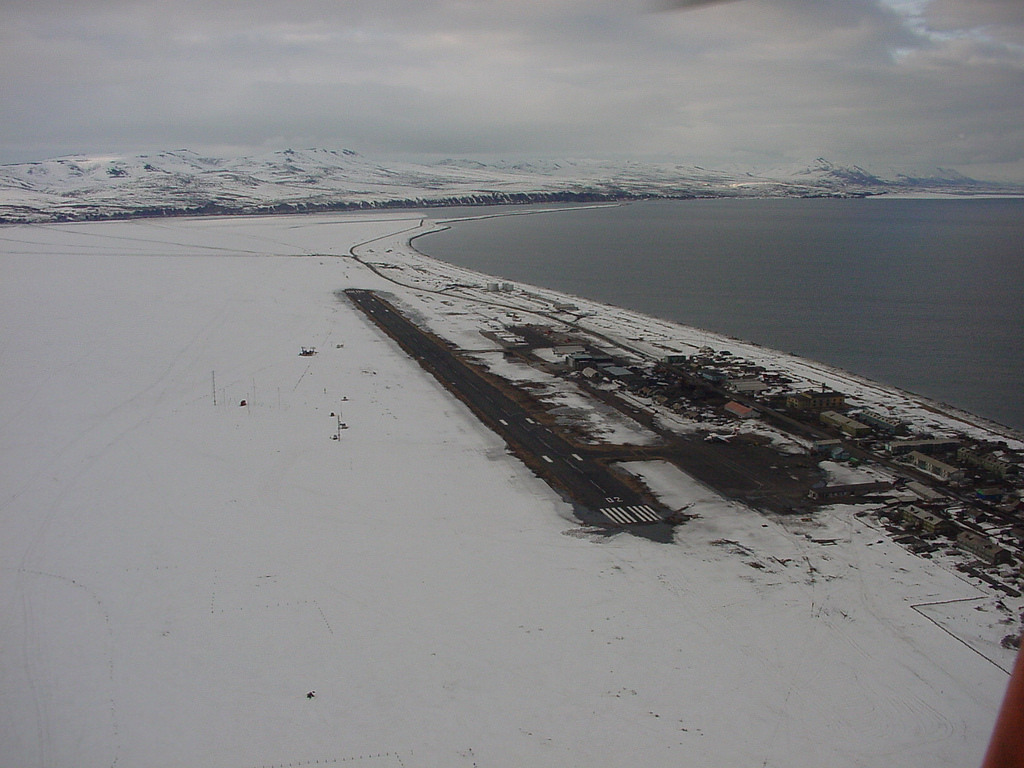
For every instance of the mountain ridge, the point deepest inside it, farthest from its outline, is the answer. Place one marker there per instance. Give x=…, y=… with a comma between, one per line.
x=183, y=182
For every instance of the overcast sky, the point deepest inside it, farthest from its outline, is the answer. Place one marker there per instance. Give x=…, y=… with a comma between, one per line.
x=905, y=84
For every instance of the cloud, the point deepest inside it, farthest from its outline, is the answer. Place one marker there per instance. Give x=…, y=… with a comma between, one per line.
x=686, y=5
x=960, y=15
x=761, y=81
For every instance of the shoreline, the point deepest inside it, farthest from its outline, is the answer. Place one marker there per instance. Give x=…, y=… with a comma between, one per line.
x=825, y=370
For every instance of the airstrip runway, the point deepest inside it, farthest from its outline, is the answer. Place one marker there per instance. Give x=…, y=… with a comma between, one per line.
x=600, y=495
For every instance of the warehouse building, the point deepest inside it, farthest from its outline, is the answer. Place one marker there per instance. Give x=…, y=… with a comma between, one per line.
x=740, y=411
x=844, y=423
x=926, y=494
x=930, y=445
x=747, y=386
x=849, y=491
x=881, y=422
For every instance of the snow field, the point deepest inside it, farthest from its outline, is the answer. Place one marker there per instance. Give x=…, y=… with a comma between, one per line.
x=177, y=575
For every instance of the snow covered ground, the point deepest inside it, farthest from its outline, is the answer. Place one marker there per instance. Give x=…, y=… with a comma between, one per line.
x=178, y=571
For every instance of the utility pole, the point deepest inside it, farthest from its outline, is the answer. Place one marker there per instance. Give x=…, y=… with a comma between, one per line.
x=340, y=423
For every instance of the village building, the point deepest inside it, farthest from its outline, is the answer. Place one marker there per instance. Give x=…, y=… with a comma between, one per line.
x=881, y=422
x=740, y=410
x=991, y=462
x=816, y=400
x=564, y=350
x=935, y=467
x=927, y=521
x=825, y=446
x=714, y=375
x=926, y=494
x=832, y=448
x=844, y=423
x=618, y=373
x=929, y=445
x=992, y=494
x=746, y=385
x=852, y=490
x=983, y=548
x=580, y=360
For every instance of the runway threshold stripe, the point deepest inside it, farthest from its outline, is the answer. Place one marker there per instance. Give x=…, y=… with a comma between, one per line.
x=649, y=514
x=613, y=514
x=624, y=514
x=644, y=514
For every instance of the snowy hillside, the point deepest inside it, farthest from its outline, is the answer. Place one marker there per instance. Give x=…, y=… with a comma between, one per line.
x=76, y=188
x=194, y=573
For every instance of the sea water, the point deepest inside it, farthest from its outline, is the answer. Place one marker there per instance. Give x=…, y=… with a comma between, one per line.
x=923, y=294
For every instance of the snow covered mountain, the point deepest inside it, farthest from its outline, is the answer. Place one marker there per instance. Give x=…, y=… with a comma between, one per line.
x=183, y=182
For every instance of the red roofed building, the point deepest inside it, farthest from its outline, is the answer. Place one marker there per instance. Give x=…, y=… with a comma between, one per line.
x=740, y=410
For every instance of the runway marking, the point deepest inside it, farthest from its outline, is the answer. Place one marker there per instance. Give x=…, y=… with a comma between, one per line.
x=631, y=515
x=645, y=513
x=616, y=516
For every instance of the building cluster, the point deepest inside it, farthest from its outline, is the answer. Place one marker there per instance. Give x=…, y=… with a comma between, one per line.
x=500, y=287
x=971, y=500
x=929, y=524
x=955, y=492
x=968, y=497
x=661, y=385
x=989, y=470
x=927, y=530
